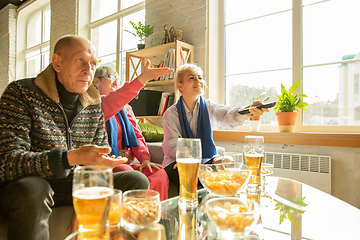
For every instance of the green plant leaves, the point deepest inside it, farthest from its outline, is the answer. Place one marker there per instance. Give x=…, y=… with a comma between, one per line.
x=289, y=212
x=288, y=101
x=141, y=30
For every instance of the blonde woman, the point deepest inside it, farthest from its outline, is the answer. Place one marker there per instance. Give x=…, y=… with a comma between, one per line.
x=192, y=117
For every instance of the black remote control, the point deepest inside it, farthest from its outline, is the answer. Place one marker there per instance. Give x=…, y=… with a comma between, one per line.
x=267, y=105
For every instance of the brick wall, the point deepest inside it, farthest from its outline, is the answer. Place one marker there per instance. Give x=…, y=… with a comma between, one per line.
x=63, y=20
x=186, y=15
x=7, y=46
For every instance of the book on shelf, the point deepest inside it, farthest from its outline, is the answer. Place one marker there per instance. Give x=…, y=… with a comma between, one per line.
x=169, y=62
x=170, y=101
x=167, y=99
x=165, y=104
x=163, y=98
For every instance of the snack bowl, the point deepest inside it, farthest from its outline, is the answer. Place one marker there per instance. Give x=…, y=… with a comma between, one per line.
x=223, y=179
x=231, y=215
x=140, y=208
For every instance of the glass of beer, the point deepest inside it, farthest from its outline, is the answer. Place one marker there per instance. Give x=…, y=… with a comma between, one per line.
x=92, y=191
x=188, y=159
x=115, y=214
x=254, y=154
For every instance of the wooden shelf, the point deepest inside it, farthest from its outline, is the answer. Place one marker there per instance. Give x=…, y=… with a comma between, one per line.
x=159, y=49
x=160, y=83
x=351, y=140
x=135, y=62
x=155, y=120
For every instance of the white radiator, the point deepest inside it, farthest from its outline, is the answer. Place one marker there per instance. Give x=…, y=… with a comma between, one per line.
x=313, y=170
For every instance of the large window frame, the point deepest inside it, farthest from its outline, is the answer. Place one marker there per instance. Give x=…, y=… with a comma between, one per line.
x=42, y=48
x=297, y=67
x=118, y=16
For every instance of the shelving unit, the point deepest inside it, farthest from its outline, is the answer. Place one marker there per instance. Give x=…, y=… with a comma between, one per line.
x=135, y=62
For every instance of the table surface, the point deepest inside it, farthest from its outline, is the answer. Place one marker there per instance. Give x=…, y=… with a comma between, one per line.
x=324, y=217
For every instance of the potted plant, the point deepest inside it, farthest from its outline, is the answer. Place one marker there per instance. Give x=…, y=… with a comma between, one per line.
x=254, y=121
x=142, y=31
x=287, y=106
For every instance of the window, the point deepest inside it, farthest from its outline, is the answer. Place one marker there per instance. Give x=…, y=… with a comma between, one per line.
x=284, y=43
x=107, y=31
x=37, y=41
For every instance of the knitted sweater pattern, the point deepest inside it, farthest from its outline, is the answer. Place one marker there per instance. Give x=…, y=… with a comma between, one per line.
x=35, y=132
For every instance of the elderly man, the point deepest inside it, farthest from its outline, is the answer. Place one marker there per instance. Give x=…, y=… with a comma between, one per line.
x=48, y=125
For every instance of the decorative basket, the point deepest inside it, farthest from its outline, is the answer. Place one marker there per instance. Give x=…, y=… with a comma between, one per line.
x=175, y=35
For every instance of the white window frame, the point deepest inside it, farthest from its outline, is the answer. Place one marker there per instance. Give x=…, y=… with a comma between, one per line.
x=116, y=16
x=217, y=58
x=24, y=12
x=43, y=45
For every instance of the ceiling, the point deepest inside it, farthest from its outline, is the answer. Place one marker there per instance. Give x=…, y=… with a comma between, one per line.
x=3, y=3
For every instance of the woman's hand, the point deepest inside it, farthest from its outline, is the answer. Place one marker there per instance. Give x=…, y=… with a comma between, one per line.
x=254, y=111
x=149, y=165
x=152, y=73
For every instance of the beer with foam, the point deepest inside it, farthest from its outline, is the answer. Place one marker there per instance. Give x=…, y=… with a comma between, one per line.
x=188, y=169
x=92, y=206
x=253, y=163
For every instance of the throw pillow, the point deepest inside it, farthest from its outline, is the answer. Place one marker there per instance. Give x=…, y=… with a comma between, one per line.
x=152, y=133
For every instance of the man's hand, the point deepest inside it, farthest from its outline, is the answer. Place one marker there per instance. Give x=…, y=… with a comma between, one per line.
x=147, y=164
x=93, y=155
x=152, y=73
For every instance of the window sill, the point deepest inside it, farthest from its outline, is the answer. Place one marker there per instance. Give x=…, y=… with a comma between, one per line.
x=296, y=138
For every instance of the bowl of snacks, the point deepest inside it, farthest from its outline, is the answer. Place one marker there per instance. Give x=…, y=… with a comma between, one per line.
x=232, y=215
x=140, y=208
x=223, y=179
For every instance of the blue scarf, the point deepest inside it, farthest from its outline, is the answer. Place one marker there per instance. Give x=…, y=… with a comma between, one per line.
x=203, y=128
x=128, y=137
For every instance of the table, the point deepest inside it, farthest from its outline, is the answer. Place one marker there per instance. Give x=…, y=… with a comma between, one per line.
x=324, y=217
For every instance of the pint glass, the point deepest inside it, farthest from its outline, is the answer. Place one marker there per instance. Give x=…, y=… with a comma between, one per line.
x=254, y=154
x=92, y=190
x=188, y=159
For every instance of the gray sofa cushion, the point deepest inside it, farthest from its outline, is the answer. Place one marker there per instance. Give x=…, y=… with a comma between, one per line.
x=156, y=152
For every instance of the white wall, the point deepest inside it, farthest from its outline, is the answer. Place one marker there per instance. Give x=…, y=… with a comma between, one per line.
x=186, y=15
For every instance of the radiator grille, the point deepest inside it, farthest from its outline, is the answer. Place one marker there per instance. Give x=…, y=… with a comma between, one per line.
x=314, y=170
x=298, y=162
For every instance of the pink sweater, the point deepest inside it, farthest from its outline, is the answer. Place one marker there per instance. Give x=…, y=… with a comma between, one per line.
x=119, y=99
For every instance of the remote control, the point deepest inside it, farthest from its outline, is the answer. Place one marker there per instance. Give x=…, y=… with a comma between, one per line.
x=267, y=105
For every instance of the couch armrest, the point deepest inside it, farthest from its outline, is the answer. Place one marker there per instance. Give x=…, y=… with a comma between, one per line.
x=156, y=152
